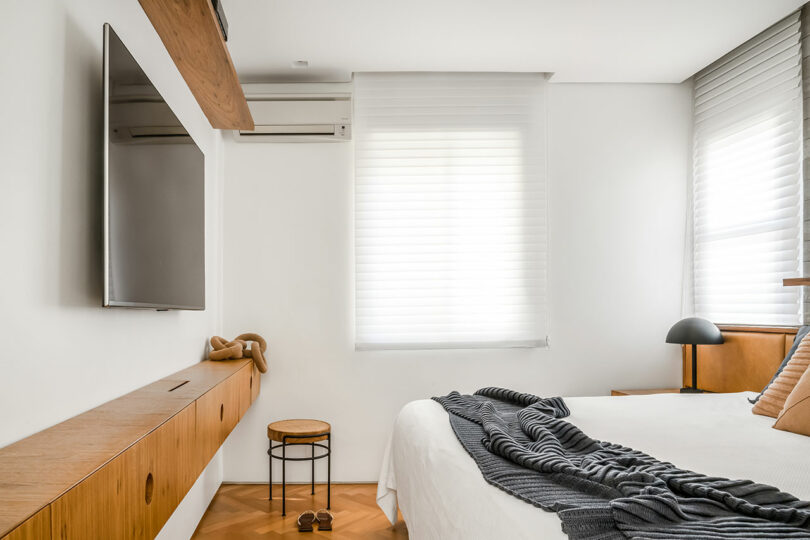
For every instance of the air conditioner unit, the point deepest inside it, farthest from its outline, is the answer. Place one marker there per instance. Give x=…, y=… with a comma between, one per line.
x=302, y=112
x=139, y=115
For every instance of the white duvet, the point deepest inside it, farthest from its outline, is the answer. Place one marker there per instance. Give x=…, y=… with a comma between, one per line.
x=442, y=494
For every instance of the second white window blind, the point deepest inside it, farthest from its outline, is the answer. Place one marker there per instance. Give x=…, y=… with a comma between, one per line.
x=747, y=181
x=450, y=210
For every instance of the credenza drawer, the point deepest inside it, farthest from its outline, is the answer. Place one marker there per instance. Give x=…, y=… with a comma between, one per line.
x=133, y=495
x=219, y=410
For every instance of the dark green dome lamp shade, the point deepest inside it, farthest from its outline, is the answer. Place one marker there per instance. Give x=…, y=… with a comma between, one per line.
x=694, y=331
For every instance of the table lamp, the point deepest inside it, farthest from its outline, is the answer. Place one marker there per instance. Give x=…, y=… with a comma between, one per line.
x=694, y=331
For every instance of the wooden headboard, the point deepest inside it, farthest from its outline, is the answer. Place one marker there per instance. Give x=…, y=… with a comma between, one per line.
x=746, y=361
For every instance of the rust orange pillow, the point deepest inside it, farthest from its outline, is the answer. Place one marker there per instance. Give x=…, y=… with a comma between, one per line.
x=795, y=416
x=773, y=398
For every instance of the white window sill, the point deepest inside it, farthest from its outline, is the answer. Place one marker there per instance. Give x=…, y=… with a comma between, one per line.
x=530, y=344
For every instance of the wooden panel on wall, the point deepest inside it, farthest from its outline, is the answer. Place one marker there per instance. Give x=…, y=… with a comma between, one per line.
x=190, y=32
x=789, y=342
x=745, y=362
x=37, y=527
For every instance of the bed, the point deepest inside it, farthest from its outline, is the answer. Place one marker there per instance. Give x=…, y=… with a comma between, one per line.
x=442, y=494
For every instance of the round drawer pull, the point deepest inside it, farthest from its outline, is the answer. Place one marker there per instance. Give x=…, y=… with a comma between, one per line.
x=221, y=412
x=150, y=487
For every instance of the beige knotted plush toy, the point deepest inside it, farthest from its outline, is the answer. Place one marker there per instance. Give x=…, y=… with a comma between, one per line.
x=238, y=348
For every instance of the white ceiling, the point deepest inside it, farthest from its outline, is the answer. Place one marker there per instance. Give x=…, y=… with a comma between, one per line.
x=577, y=40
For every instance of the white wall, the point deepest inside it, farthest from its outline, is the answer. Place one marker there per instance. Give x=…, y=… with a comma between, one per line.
x=63, y=353
x=618, y=168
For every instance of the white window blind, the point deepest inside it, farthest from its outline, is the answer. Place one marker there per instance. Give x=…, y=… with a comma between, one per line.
x=748, y=181
x=450, y=210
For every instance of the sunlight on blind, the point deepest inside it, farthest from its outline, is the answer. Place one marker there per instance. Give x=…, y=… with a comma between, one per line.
x=450, y=212
x=747, y=181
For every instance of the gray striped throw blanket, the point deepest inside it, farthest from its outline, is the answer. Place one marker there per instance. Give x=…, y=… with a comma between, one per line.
x=605, y=491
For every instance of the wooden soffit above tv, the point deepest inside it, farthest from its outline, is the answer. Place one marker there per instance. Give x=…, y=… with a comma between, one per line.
x=190, y=32
x=796, y=282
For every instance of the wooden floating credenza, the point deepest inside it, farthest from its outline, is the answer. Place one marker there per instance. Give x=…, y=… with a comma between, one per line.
x=120, y=470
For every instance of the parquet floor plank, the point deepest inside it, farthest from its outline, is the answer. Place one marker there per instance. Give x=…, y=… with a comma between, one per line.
x=242, y=511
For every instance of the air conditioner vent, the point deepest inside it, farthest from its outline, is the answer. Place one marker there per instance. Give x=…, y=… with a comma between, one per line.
x=314, y=112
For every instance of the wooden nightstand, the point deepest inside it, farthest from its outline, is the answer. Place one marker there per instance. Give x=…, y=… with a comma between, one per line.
x=644, y=392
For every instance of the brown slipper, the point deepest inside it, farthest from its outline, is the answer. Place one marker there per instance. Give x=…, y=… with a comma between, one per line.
x=305, y=521
x=325, y=518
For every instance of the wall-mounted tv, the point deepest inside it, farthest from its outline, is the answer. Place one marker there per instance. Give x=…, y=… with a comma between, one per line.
x=154, y=194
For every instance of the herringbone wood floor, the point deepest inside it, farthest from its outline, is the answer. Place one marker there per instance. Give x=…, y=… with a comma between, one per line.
x=243, y=511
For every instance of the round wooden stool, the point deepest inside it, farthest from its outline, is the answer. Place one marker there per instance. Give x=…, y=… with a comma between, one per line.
x=295, y=433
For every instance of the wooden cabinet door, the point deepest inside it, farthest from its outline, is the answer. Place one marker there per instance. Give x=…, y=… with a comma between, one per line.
x=37, y=527
x=173, y=446
x=218, y=412
x=132, y=496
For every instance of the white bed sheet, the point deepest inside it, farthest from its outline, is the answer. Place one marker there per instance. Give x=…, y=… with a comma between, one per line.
x=442, y=495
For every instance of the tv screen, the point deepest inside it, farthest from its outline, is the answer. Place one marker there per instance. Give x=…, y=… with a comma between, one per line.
x=154, y=194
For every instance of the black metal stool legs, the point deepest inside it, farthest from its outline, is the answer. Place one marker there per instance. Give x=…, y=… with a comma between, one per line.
x=284, y=477
x=328, y=472
x=284, y=459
